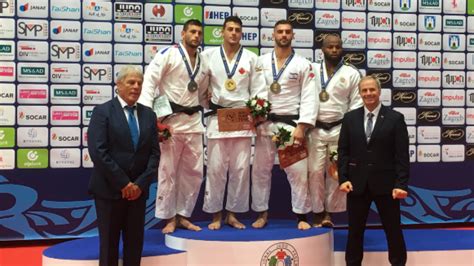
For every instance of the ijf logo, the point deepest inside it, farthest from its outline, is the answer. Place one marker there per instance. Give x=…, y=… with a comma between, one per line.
x=280, y=254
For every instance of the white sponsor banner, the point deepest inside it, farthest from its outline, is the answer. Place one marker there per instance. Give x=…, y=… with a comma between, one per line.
x=32, y=137
x=7, y=50
x=454, y=61
x=86, y=159
x=429, y=79
x=327, y=4
x=405, y=6
x=454, y=97
x=430, y=6
x=353, y=20
x=379, y=21
x=326, y=19
x=470, y=98
x=412, y=152
x=32, y=51
x=97, y=31
x=470, y=116
x=454, y=7
x=266, y=37
x=269, y=16
x=32, y=93
x=84, y=136
x=470, y=24
x=429, y=60
x=97, y=73
x=151, y=50
x=7, y=159
x=128, y=32
x=96, y=94
x=128, y=11
x=32, y=8
x=97, y=52
x=8, y=8
x=65, y=52
x=306, y=53
x=379, y=59
x=7, y=93
x=409, y=113
x=380, y=5
x=405, y=22
x=470, y=134
x=454, y=42
x=158, y=13
x=404, y=78
x=65, y=94
x=250, y=36
x=94, y=10
x=301, y=3
x=353, y=39
x=411, y=134
x=65, y=30
x=249, y=16
x=453, y=116
x=453, y=153
x=32, y=72
x=470, y=42
x=215, y=15
x=379, y=40
x=470, y=61
x=429, y=41
x=354, y=5
x=65, y=73
x=429, y=97
x=32, y=29
x=404, y=41
x=65, y=115
x=454, y=23
x=159, y=33
x=128, y=53
x=454, y=79
x=7, y=115
x=65, y=10
x=429, y=134
x=65, y=136
x=404, y=60
x=65, y=158
x=87, y=114
x=303, y=38
x=32, y=115
x=428, y=153
x=7, y=71
x=246, y=2
x=386, y=97
x=7, y=28
x=430, y=23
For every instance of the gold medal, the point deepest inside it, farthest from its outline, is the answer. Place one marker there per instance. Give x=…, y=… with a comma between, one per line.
x=230, y=85
x=324, y=96
x=275, y=87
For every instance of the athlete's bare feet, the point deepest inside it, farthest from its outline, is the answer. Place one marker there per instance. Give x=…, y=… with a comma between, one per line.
x=232, y=220
x=216, y=221
x=261, y=221
x=186, y=224
x=302, y=225
x=170, y=226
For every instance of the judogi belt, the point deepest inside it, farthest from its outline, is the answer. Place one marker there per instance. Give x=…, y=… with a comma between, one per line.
x=327, y=125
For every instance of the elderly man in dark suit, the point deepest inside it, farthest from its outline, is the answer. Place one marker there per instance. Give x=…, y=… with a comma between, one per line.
x=374, y=166
x=123, y=145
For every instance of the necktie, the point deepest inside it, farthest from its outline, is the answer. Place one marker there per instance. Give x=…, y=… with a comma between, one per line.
x=132, y=125
x=368, y=129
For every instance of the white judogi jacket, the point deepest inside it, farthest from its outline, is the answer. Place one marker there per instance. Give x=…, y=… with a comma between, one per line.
x=249, y=84
x=167, y=75
x=297, y=95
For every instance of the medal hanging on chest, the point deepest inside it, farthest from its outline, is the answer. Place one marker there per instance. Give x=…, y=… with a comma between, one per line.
x=192, y=84
x=275, y=87
x=230, y=83
x=324, y=95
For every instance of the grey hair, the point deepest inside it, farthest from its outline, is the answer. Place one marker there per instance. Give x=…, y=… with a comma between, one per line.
x=370, y=77
x=129, y=70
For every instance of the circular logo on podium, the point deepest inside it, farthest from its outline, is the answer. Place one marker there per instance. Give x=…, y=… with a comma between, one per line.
x=278, y=254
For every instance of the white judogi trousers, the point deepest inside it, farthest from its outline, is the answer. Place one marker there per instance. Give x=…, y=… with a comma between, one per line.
x=297, y=175
x=230, y=155
x=179, y=175
x=324, y=189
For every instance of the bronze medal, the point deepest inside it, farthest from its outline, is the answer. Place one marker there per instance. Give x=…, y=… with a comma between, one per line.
x=192, y=86
x=230, y=85
x=275, y=87
x=324, y=96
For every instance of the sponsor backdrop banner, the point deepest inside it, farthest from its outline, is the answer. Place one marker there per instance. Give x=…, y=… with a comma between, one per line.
x=58, y=59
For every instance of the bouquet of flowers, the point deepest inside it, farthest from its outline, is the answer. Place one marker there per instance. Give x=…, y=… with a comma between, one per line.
x=332, y=168
x=164, y=131
x=282, y=138
x=259, y=108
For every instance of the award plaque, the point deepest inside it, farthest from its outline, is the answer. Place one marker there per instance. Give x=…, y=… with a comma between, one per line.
x=292, y=154
x=234, y=119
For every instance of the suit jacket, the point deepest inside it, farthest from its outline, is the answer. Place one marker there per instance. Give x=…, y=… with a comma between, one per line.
x=111, y=149
x=383, y=163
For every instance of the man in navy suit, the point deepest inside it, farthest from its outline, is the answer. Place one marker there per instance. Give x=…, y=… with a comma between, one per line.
x=373, y=164
x=123, y=144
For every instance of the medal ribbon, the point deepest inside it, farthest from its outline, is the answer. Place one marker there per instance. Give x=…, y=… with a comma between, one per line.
x=226, y=66
x=276, y=76
x=188, y=67
x=324, y=84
